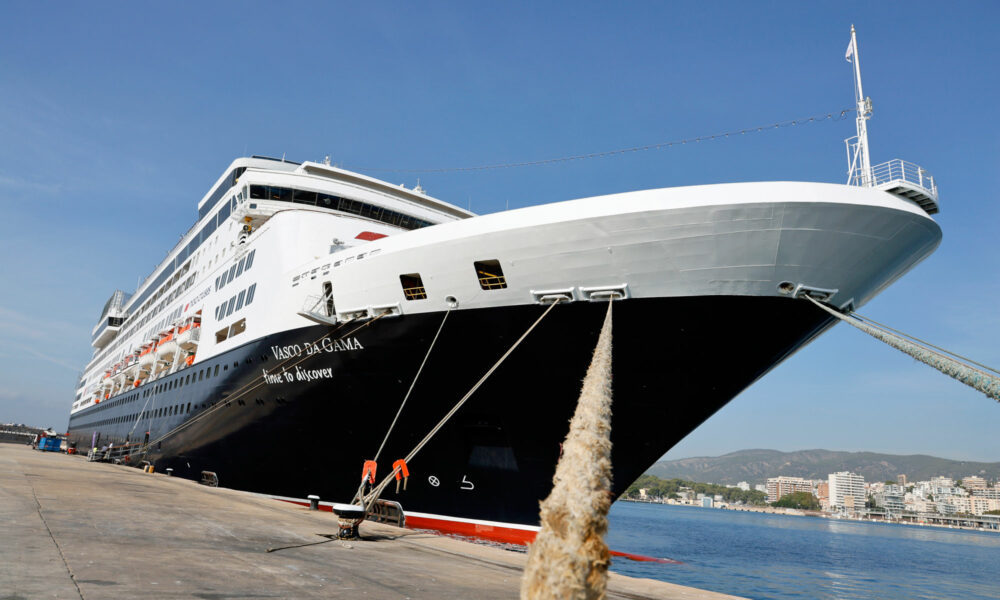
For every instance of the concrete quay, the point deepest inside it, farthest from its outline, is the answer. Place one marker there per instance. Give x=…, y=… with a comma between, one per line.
x=73, y=529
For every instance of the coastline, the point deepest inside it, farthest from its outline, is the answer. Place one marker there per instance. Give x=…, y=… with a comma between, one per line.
x=925, y=522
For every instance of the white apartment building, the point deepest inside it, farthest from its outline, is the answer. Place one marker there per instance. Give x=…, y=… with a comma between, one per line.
x=846, y=485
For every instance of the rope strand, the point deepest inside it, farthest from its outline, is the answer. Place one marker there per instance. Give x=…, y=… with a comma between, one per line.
x=832, y=116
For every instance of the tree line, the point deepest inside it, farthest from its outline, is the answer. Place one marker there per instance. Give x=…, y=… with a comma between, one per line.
x=670, y=488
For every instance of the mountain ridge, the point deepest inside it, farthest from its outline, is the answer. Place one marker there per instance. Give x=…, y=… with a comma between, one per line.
x=756, y=465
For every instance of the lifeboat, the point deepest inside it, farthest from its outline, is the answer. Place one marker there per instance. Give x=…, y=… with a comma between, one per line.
x=189, y=335
x=166, y=351
x=146, y=360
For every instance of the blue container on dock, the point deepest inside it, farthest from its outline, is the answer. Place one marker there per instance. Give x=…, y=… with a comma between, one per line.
x=50, y=444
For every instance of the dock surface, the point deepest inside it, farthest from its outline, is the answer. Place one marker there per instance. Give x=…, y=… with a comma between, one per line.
x=73, y=529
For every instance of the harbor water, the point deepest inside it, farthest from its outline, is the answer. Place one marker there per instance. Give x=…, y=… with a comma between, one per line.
x=757, y=555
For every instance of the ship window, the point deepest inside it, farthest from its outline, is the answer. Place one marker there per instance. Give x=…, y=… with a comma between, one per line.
x=413, y=286
x=239, y=299
x=232, y=304
x=250, y=259
x=250, y=292
x=325, y=200
x=239, y=267
x=258, y=192
x=232, y=273
x=223, y=214
x=304, y=197
x=490, y=274
x=216, y=370
x=189, y=407
x=280, y=193
x=221, y=335
x=238, y=328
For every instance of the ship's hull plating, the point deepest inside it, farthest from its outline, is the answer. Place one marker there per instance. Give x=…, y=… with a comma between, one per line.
x=306, y=429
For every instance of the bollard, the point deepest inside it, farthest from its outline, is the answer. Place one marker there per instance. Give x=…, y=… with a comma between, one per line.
x=170, y=472
x=313, y=502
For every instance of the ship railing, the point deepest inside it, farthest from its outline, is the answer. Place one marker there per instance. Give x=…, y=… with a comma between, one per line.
x=415, y=293
x=902, y=178
x=317, y=305
x=493, y=282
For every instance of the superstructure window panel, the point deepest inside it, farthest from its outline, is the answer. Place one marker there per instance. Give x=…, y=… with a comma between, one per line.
x=250, y=259
x=239, y=267
x=232, y=305
x=304, y=197
x=222, y=215
x=239, y=299
x=250, y=293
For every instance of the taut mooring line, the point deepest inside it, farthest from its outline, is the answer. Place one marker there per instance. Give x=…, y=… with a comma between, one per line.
x=975, y=378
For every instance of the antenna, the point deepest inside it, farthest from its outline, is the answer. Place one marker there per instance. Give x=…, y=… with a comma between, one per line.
x=859, y=170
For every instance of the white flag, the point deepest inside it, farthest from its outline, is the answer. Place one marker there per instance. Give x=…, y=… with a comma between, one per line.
x=850, y=51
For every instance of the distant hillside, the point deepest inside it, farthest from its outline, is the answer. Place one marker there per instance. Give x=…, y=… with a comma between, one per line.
x=755, y=466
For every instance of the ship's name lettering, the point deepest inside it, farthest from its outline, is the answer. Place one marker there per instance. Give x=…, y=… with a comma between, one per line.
x=310, y=349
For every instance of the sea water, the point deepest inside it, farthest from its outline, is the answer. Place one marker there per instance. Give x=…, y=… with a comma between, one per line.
x=758, y=555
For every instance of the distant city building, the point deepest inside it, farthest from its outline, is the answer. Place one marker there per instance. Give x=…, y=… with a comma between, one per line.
x=992, y=493
x=973, y=482
x=942, y=482
x=760, y=487
x=846, y=485
x=823, y=493
x=892, y=498
x=777, y=487
x=901, y=480
x=743, y=486
x=706, y=502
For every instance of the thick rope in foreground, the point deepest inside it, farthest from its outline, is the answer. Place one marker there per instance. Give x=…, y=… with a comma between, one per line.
x=569, y=558
x=970, y=376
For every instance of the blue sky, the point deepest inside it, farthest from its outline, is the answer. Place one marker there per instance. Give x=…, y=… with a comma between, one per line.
x=116, y=117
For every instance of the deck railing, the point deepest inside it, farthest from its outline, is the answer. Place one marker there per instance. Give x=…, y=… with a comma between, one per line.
x=896, y=170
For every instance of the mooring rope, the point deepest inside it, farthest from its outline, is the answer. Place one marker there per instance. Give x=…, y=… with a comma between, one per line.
x=377, y=490
x=361, y=487
x=830, y=116
x=970, y=376
x=412, y=385
x=569, y=558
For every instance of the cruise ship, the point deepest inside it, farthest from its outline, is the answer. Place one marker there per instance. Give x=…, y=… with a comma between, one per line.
x=274, y=345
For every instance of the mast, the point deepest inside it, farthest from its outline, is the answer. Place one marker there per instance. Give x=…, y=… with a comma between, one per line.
x=860, y=171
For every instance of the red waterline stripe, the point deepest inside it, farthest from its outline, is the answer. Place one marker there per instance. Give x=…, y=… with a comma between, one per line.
x=493, y=533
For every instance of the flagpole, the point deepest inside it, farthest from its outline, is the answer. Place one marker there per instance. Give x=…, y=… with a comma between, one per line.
x=863, y=112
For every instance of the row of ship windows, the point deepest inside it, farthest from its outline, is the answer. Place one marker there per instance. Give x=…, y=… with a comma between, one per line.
x=238, y=301
x=354, y=207
x=172, y=411
x=177, y=381
x=235, y=271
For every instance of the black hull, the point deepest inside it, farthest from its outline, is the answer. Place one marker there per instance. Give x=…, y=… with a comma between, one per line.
x=676, y=362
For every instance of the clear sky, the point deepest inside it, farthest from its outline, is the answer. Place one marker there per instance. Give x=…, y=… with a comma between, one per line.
x=116, y=117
